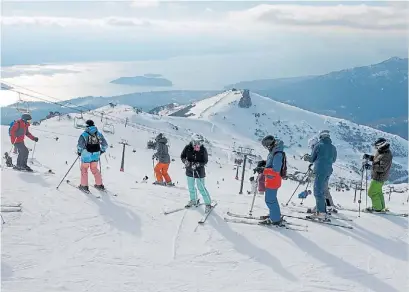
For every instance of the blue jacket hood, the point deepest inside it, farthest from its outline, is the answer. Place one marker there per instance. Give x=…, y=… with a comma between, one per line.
x=91, y=130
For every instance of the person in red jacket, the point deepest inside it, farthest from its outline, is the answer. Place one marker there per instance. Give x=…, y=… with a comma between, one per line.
x=18, y=132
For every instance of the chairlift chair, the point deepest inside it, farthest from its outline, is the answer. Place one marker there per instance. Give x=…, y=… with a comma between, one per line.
x=79, y=122
x=108, y=128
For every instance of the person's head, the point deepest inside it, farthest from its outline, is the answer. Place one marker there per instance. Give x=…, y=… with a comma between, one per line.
x=381, y=144
x=26, y=118
x=324, y=134
x=196, y=141
x=90, y=123
x=268, y=142
x=161, y=139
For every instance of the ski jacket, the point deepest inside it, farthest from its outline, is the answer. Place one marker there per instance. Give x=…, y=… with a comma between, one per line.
x=323, y=155
x=162, y=151
x=195, y=158
x=87, y=157
x=381, y=166
x=273, y=166
x=18, y=132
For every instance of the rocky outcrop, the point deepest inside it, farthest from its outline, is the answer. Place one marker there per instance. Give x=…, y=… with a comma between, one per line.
x=245, y=101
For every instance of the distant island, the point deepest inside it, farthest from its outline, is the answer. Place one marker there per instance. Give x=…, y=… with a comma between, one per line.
x=146, y=80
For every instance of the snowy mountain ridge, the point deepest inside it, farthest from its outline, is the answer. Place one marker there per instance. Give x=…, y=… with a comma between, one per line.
x=294, y=126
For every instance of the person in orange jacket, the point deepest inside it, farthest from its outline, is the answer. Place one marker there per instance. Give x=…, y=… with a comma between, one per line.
x=18, y=131
x=272, y=172
x=162, y=155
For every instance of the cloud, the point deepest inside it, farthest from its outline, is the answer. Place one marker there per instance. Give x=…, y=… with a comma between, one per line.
x=362, y=17
x=145, y=3
x=259, y=20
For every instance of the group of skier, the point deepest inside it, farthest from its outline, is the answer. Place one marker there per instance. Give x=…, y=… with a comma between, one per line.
x=92, y=143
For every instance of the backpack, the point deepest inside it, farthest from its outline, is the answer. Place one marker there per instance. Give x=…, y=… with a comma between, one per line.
x=93, y=143
x=11, y=126
x=283, y=170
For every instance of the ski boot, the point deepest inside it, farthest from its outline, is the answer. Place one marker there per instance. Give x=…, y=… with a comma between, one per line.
x=84, y=188
x=159, y=183
x=264, y=217
x=323, y=217
x=332, y=210
x=99, y=187
x=208, y=208
x=170, y=184
x=268, y=221
x=372, y=210
x=192, y=203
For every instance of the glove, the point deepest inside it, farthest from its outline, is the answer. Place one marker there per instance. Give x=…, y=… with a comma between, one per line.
x=310, y=166
x=306, y=157
x=102, y=151
x=153, y=157
x=187, y=163
x=79, y=153
x=366, y=156
x=195, y=166
x=35, y=139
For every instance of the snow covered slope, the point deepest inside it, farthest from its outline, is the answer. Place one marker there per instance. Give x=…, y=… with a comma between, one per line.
x=64, y=240
x=295, y=126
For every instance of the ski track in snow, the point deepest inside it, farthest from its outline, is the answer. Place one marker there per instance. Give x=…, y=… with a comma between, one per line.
x=65, y=240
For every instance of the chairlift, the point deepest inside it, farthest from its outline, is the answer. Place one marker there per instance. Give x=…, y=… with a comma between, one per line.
x=79, y=122
x=22, y=106
x=108, y=128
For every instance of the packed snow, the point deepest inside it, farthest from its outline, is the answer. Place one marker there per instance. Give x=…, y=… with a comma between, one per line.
x=64, y=240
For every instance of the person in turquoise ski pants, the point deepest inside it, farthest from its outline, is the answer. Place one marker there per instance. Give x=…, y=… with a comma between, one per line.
x=195, y=157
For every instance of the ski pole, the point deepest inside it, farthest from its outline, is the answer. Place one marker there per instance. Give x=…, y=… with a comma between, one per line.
x=360, y=191
x=34, y=150
x=366, y=187
x=305, y=175
x=68, y=172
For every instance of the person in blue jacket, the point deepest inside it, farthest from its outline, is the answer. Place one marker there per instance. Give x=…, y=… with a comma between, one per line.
x=323, y=155
x=273, y=179
x=91, y=144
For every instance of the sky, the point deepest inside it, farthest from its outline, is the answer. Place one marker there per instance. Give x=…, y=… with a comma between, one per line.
x=255, y=39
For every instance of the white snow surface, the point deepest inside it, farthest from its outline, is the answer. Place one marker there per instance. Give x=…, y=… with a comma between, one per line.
x=64, y=240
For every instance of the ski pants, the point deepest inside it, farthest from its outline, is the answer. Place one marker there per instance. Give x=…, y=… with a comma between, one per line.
x=22, y=154
x=272, y=204
x=161, y=171
x=200, y=182
x=320, y=186
x=94, y=170
x=376, y=195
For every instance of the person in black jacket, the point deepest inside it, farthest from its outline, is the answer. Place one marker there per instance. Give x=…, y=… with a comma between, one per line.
x=195, y=157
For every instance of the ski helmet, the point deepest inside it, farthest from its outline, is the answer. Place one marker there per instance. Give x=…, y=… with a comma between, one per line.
x=268, y=141
x=324, y=134
x=197, y=139
x=90, y=123
x=160, y=136
x=380, y=143
x=26, y=117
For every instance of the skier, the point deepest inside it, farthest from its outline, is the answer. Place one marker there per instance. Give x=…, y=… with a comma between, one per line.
x=381, y=165
x=91, y=144
x=18, y=131
x=323, y=155
x=273, y=172
x=162, y=154
x=330, y=206
x=195, y=157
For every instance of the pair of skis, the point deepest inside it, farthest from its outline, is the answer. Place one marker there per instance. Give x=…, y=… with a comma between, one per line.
x=255, y=220
x=204, y=217
x=89, y=192
x=386, y=212
x=305, y=210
